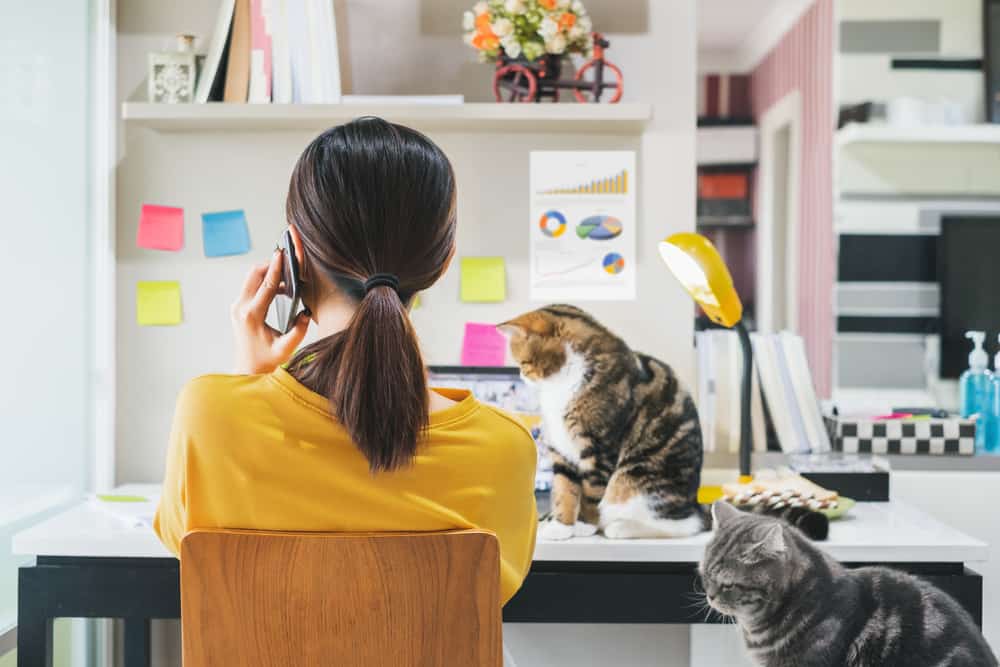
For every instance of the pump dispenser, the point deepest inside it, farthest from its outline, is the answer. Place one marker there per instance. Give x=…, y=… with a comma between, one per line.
x=990, y=442
x=974, y=385
x=975, y=388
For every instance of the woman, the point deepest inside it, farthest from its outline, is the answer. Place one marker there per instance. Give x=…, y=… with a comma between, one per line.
x=348, y=437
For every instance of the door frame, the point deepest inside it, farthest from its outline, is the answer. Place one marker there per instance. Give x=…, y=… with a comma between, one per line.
x=787, y=112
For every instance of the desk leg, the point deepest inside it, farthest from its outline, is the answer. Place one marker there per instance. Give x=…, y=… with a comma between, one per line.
x=34, y=627
x=137, y=653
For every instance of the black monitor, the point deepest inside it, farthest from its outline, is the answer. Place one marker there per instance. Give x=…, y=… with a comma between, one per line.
x=969, y=274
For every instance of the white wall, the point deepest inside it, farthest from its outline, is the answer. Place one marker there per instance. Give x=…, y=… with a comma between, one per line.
x=205, y=171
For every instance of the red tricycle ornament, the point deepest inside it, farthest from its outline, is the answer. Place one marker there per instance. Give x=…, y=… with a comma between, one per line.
x=522, y=80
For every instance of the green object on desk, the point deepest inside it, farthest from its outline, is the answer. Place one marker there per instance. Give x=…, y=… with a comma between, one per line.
x=122, y=499
x=844, y=506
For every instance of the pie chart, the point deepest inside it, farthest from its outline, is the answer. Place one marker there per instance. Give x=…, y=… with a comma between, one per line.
x=552, y=224
x=613, y=263
x=599, y=228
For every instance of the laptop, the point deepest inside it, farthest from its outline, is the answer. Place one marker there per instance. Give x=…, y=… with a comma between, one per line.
x=501, y=387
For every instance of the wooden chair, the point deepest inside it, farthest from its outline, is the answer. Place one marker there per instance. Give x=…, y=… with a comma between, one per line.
x=269, y=599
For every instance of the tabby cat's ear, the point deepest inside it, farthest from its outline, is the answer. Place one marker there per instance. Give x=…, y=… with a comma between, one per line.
x=510, y=329
x=723, y=512
x=533, y=322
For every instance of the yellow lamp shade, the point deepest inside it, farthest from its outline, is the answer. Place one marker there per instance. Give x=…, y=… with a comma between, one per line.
x=696, y=263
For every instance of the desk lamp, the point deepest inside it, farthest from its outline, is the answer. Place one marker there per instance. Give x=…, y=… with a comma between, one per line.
x=696, y=263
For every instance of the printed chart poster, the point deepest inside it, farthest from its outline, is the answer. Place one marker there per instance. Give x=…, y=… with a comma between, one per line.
x=583, y=225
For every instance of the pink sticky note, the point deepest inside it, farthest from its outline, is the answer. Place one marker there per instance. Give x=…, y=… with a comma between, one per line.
x=161, y=228
x=483, y=345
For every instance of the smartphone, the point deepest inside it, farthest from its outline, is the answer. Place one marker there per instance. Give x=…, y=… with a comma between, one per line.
x=287, y=303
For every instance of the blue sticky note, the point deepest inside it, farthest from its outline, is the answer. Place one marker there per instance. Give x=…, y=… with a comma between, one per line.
x=225, y=233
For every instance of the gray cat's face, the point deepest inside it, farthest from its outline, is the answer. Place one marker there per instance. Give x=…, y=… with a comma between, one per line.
x=745, y=569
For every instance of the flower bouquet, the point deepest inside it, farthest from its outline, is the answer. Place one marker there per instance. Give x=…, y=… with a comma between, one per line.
x=528, y=29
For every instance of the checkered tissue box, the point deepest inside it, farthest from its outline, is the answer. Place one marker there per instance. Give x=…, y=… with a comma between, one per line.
x=898, y=436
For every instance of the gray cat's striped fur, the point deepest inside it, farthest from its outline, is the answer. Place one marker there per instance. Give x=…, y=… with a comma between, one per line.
x=798, y=607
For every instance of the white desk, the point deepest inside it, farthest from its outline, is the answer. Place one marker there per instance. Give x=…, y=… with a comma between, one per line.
x=93, y=563
x=871, y=533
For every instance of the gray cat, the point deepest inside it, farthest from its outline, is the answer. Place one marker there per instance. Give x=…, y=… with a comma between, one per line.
x=798, y=607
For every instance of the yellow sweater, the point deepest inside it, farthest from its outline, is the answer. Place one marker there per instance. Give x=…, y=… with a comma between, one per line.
x=263, y=452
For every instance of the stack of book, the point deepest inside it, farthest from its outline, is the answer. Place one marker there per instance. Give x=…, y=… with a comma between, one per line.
x=281, y=51
x=783, y=399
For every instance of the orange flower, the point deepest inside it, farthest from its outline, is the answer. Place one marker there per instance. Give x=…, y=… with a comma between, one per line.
x=567, y=21
x=485, y=42
x=483, y=24
x=548, y=4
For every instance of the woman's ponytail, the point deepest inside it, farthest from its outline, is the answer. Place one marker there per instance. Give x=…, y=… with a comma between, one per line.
x=367, y=197
x=380, y=391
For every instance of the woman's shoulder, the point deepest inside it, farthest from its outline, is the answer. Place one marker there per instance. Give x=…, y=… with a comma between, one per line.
x=507, y=434
x=214, y=394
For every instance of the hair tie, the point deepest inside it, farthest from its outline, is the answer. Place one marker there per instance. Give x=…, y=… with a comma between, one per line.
x=382, y=280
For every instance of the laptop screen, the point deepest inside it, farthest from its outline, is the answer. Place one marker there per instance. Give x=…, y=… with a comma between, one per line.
x=501, y=387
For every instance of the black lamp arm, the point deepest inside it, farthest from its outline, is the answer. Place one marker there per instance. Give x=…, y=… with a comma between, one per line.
x=746, y=435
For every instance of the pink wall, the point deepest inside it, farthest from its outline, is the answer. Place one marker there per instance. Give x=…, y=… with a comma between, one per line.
x=803, y=61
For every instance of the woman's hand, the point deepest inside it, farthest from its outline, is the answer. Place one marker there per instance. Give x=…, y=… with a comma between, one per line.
x=259, y=348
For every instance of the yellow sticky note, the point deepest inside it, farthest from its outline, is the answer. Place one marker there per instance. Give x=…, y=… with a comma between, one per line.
x=158, y=302
x=484, y=279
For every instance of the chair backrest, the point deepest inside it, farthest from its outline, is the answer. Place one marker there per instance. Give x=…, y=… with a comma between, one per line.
x=256, y=598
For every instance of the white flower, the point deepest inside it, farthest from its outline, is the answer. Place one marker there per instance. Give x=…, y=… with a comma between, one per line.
x=480, y=8
x=575, y=33
x=585, y=23
x=502, y=27
x=468, y=21
x=577, y=7
x=548, y=28
x=468, y=37
x=562, y=4
x=556, y=44
x=515, y=6
x=511, y=46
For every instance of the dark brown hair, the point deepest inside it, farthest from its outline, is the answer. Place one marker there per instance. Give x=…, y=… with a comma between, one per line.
x=371, y=197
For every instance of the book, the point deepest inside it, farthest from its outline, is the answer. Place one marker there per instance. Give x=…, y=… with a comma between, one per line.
x=299, y=54
x=805, y=392
x=260, y=53
x=215, y=60
x=800, y=443
x=705, y=391
x=238, y=66
x=281, y=57
x=773, y=390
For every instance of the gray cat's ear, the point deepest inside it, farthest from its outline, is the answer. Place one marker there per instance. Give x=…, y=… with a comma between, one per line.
x=723, y=512
x=773, y=543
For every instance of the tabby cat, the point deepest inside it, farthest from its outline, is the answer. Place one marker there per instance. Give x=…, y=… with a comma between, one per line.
x=797, y=607
x=622, y=432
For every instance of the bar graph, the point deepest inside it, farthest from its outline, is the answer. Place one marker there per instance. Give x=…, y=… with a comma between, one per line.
x=613, y=185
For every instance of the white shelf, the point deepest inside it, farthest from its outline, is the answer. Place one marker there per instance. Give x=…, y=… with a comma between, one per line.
x=856, y=133
x=478, y=117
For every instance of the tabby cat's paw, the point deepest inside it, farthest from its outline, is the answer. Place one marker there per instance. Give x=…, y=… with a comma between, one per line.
x=556, y=530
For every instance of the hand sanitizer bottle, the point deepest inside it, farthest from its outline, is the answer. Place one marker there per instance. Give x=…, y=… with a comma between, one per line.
x=991, y=440
x=974, y=388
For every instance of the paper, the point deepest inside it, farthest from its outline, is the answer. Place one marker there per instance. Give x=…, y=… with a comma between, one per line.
x=484, y=280
x=483, y=345
x=114, y=498
x=225, y=233
x=582, y=225
x=136, y=512
x=161, y=228
x=158, y=303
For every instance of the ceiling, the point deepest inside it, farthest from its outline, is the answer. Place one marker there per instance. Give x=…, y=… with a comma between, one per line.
x=742, y=31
